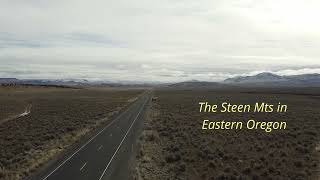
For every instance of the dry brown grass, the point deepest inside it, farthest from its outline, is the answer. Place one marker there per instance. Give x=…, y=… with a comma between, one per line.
x=173, y=146
x=58, y=119
x=150, y=160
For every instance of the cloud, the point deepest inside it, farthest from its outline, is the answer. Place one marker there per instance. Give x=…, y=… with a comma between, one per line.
x=10, y=40
x=7, y=40
x=82, y=37
x=157, y=40
x=298, y=71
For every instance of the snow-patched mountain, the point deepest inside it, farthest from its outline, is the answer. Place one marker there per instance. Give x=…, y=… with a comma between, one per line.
x=269, y=79
x=262, y=77
x=197, y=84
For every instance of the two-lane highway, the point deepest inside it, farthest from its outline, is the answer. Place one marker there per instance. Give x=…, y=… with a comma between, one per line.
x=106, y=154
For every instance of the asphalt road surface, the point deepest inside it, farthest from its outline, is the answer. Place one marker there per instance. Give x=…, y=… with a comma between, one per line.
x=106, y=155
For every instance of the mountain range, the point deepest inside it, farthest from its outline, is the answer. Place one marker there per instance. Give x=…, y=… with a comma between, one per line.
x=72, y=82
x=62, y=82
x=269, y=79
x=265, y=79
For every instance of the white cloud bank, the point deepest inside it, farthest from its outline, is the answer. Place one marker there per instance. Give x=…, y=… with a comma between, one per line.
x=145, y=40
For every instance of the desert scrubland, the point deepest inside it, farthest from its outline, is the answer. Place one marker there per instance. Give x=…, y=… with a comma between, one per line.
x=173, y=144
x=37, y=124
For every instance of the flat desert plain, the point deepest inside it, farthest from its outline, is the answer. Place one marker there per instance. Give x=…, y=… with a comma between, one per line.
x=173, y=144
x=39, y=123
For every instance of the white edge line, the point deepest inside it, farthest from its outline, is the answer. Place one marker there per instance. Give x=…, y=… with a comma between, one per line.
x=85, y=144
x=100, y=147
x=83, y=166
x=114, y=154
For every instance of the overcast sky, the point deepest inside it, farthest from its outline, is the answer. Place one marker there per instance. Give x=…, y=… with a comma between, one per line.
x=164, y=40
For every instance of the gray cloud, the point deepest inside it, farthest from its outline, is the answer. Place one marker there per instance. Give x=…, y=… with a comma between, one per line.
x=10, y=40
x=157, y=40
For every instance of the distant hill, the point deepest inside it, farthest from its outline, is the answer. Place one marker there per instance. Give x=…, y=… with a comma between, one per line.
x=265, y=79
x=5, y=81
x=269, y=79
x=8, y=80
x=198, y=84
x=70, y=83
